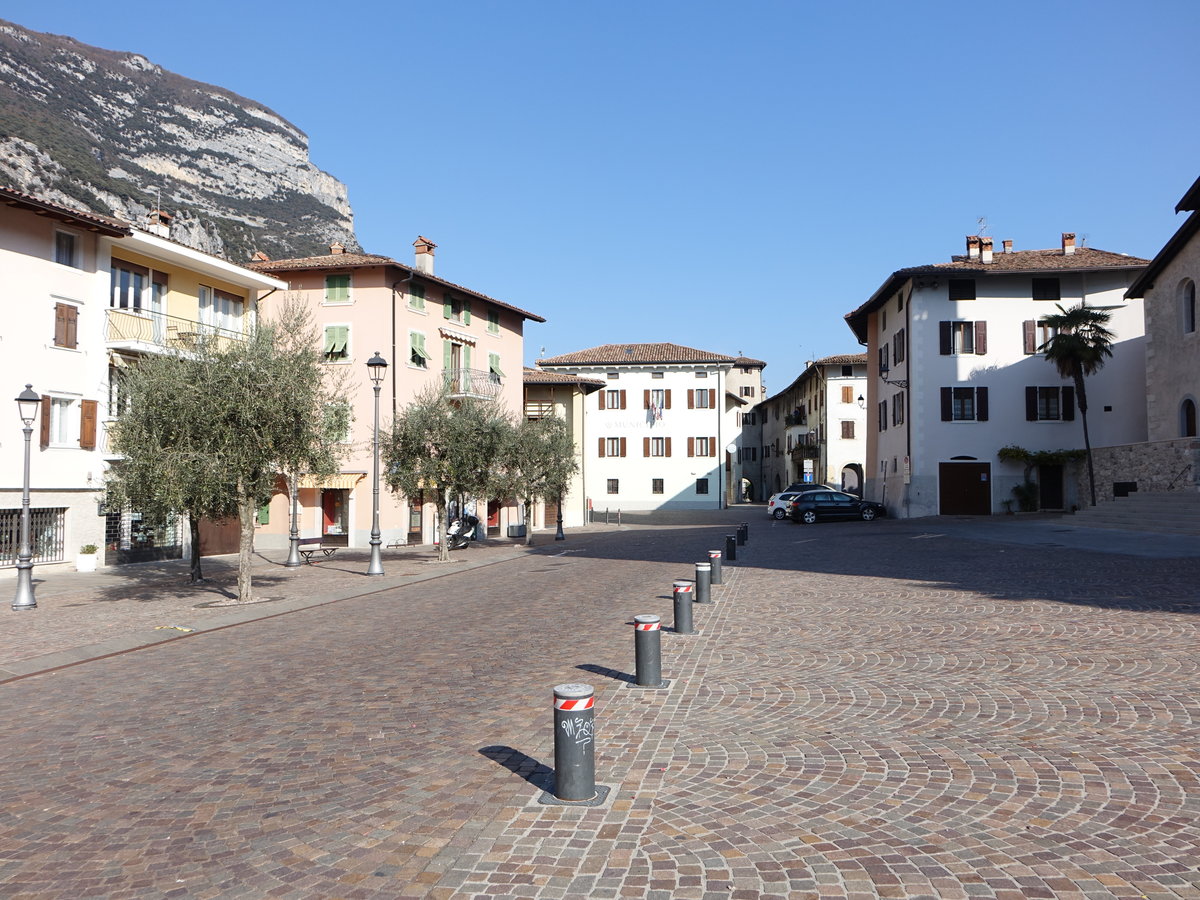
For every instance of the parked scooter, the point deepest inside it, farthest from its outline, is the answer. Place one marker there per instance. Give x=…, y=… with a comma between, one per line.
x=461, y=532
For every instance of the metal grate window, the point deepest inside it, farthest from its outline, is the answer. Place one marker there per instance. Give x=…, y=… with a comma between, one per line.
x=47, y=534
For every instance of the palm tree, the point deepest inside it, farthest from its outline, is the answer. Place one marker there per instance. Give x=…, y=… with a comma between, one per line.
x=1079, y=347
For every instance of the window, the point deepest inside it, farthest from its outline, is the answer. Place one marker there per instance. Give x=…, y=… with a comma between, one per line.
x=615, y=399
x=747, y=390
x=656, y=374
x=66, y=325
x=701, y=485
x=219, y=309
x=962, y=288
x=1049, y=404
x=883, y=415
x=416, y=296
x=847, y=430
x=337, y=343
x=337, y=421
x=1047, y=289
x=702, y=398
x=614, y=485
x=129, y=282
x=964, y=404
x=1187, y=418
x=1037, y=335
x=66, y=249
x=960, y=338
x=417, y=354
x=847, y=393
x=702, y=446
x=493, y=322
x=884, y=363
x=494, y=373
x=658, y=398
x=456, y=309
x=701, y=374
x=847, y=371
x=898, y=408
x=656, y=485
x=612, y=447
x=658, y=446
x=613, y=376
x=1187, y=300
x=337, y=288
x=898, y=346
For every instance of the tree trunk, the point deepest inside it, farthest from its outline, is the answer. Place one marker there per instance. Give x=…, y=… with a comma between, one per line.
x=444, y=543
x=1081, y=400
x=247, y=514
x=194, y=526
x=528, y=523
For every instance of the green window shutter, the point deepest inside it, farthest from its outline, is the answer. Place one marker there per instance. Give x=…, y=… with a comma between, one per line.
x=467, y=313
x=447, y=307
x=416, y=296
x=466, y=356
x=494, y=364
x=329, y=341
x=264, y=514
x=420, y=345
x=446, y=356
x=337, y=288
x=493, y=321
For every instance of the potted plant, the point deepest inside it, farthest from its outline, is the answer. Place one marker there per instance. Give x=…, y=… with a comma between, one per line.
x=86, y=560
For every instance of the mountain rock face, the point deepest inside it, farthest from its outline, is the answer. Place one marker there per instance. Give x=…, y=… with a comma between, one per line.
x=116, y=134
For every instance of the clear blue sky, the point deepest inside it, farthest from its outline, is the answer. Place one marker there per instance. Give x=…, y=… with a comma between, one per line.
x=730, y=176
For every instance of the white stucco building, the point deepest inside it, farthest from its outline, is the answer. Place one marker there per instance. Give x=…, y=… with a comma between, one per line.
x=955, y=374
x=665, y=430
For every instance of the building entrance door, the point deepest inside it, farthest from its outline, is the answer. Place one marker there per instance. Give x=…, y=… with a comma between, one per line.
x=1050, y=487
x=965, y=489
x=335, y=517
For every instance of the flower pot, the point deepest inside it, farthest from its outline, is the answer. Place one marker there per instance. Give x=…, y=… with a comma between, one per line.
x=85, y=562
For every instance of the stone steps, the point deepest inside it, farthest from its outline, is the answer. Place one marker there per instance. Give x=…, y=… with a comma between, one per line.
x=1166, y=513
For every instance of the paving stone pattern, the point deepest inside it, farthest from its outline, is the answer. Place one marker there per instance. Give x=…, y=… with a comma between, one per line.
x=870, y=710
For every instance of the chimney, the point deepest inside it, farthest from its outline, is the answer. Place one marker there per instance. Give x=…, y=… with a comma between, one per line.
x=424, y=256
x=972, y=246
x=1068, y=243
x=1008, y=246
x=337, y=248
x=158, y=222
x=985, y=249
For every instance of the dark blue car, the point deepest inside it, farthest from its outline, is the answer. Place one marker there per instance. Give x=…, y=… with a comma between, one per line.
x=814, y=505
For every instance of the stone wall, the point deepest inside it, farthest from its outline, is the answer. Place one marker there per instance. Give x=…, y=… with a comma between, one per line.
x=1153, y=466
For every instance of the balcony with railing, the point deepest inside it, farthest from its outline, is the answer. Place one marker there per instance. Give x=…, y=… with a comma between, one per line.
x=472, y=383
x=538, y=410
x=146, y=331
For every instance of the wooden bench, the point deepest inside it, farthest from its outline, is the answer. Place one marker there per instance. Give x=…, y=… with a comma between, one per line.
x=314, y=547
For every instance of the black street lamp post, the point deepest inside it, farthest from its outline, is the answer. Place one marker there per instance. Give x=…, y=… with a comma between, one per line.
x=377, y=366
x=28, y=403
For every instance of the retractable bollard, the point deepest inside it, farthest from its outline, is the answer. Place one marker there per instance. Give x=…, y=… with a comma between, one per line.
x=745, y=532
x=741, y=534
x=714, y=558
x=647, y=650
x=731, y=547
x=703, y=582
x=574, y=742
x=683, y=608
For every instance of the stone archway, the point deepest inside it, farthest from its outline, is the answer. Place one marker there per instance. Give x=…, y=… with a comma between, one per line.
x=852, y=479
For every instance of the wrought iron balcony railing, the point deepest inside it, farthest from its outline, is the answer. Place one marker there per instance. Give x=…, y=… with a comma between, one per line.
x=147, y=330
x=472, y=383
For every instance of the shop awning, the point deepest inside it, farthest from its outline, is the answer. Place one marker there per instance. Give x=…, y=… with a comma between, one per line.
x=340, y=481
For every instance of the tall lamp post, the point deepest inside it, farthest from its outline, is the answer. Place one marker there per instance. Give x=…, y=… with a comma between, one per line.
x=293, y=559
x=377, y=366
x=558, y=535
x=28, y=403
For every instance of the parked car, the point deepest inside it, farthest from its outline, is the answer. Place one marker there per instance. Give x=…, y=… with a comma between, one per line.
x=778, y=505
x=799, y=487
x=813, y=505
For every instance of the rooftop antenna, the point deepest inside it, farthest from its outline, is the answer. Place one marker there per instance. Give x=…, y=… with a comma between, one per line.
x=983, y=226
x=1083, y=240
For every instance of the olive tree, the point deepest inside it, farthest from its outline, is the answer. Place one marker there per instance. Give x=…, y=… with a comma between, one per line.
x=446, y=448
x=537, y=463
x=204, y=431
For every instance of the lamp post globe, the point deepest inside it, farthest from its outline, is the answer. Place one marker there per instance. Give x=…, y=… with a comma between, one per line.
x=377, y=367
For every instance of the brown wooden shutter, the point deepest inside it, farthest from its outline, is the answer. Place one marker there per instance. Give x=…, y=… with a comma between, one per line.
x=60, y=325
x=980, y=338
x=981, y=404
x=945, y=339
x=622, y=406
x=601, y=392
x=947, y=404
x=668, y=443
x=1031, y=411
x=712, y=446
x=87, y=424
x=691, y=444
x=646, y=399
x=45, y=435
x=712, y=398
x=645, y=446
x=1030, y=326
x=622, y=442
x=667, y=401
x=601, y=447
x=1068, y=404
x=691, y=401
x=72, y=327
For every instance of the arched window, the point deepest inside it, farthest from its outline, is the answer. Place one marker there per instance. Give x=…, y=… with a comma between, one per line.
x=1187, y=418
x=1187, y=305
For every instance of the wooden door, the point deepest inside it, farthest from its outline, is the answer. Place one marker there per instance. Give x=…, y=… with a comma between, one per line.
x=965, y=489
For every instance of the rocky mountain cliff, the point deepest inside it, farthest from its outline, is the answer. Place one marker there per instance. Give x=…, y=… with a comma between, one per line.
x=116, y=134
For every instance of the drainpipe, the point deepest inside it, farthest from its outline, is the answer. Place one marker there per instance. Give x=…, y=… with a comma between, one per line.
x=720, y=448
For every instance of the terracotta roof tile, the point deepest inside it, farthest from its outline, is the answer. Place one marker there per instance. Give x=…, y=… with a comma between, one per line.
x=537, y=376
x=636, y=354
x=111, y=226
x=366, y=260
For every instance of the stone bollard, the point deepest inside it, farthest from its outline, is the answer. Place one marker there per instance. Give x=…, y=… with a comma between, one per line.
x=683, y=607
x=647, y=650
x=703, y=582
x=731, y=547
x=714, y=557
x=574, y=742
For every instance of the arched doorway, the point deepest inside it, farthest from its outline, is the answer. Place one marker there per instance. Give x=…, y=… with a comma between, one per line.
x=1187, y=418
x=747, y=490
x=852, y=479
